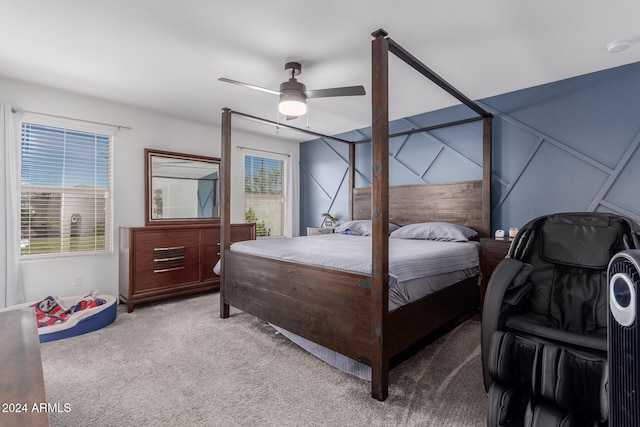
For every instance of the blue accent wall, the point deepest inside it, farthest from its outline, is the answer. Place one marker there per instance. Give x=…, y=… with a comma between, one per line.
x=570, y=145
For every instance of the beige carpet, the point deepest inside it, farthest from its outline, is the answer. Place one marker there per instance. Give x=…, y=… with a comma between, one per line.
x=176, y=363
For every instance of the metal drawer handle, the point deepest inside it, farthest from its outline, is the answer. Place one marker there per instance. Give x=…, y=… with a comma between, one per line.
x=169, y=249
x=164, y=270
x=168, y=259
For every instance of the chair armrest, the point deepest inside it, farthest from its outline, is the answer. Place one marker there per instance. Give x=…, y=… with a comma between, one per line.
x=510, y=274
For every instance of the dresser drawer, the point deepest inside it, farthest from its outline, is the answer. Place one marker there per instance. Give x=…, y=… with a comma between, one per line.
x=166, y=239
x=211, y=236
x=166, y=258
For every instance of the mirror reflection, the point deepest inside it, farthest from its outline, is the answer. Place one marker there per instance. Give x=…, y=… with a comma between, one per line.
x=182, y=187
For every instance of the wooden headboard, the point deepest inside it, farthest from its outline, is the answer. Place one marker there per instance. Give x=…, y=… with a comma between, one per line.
x=456, y=202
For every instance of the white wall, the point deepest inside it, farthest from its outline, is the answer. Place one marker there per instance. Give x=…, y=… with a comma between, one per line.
x=46, y=276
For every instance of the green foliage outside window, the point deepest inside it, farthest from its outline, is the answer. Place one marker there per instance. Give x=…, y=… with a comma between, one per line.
x=261, y=229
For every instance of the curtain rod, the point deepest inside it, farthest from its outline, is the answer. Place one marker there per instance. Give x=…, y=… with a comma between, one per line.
x=15, y=110
x=262, y=151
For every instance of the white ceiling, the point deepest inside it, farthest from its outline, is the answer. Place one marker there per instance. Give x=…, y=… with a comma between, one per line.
x=167, y=55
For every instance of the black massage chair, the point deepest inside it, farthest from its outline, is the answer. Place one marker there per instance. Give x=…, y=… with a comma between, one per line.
x=544, y=322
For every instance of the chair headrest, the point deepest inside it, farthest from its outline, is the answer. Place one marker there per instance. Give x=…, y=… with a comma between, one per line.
x=579, y=244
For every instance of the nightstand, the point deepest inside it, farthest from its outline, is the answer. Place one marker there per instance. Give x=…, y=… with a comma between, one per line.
x=315, y=231
x=492, y=251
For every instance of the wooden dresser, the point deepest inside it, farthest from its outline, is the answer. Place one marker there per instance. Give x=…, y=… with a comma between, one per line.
x=166, y=261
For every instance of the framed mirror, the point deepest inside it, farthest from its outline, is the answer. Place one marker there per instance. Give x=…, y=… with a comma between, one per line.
x=181, y=188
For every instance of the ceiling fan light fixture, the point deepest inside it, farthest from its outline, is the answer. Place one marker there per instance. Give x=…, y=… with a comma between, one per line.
x=293, y=101
x=294, y=95
x=292, y=105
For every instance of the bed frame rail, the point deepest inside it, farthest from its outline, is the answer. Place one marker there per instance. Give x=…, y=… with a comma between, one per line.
x=410, y=324
x=326, y=306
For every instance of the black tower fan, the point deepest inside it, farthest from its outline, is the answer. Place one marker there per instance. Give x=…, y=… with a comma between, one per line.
x=624, y=339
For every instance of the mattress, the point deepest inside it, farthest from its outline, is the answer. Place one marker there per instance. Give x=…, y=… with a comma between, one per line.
x=416, y=267
x=408, y=258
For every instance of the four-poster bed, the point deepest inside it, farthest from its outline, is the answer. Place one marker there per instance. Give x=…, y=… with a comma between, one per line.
x=345, y=311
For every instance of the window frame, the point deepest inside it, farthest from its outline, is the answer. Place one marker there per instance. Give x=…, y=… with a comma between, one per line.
x=284, y=159
x=80, y=127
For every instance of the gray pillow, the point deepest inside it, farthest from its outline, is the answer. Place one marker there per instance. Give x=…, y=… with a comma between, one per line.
x=441, y=231
x=360, y=227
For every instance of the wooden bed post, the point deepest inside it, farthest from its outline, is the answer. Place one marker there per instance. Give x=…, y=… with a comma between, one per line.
x=380, y=214
x=225, y=192
x=352, y=176
x=486, y=174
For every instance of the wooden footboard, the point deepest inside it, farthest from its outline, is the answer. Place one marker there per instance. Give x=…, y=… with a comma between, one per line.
x=329, y=307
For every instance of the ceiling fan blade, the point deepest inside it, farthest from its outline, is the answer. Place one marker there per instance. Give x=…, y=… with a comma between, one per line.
x=250, y=86
x=336, y=91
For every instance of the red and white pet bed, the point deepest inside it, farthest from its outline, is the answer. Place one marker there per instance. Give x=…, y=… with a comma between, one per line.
x=70, y=316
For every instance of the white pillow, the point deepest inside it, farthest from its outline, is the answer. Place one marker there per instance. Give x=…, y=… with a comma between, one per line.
x=360, y=227
x=441, y=231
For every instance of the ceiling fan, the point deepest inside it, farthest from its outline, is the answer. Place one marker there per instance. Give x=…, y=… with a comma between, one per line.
x=294, y=95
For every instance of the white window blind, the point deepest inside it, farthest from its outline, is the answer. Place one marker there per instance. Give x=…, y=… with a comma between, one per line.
x=264, y=194
x=66, y=181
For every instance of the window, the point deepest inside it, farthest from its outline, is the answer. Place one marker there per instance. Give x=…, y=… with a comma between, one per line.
x=264, y=194
x=65, y=191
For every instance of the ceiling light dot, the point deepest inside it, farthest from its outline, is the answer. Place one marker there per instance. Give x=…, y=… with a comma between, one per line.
x=619, y=46
x=622, y=44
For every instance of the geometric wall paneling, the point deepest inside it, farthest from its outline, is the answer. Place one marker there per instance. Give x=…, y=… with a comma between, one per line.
x=363, y=165
x=620, y=193
x=553, y=181
x=396, y=144
x=402, y=175
x=586, y=113
x=427, y=156
x=324, y=156
x=431, y=154
x=464, y=141
x=591, y=121
x=417, y=154
x=571, y=145
x=340, y=198
x=512, y=146
x=414, y=158
x=550, y=139
x=548, y=177
x=315, y=200
x=323, y=169
x=450, y=164
x=447, y=167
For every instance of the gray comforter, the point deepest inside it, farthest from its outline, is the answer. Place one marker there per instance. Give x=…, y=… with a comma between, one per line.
x=408, y=259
